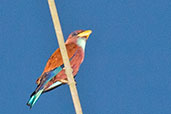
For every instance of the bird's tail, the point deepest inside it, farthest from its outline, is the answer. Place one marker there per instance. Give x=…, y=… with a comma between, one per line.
x=34, y=97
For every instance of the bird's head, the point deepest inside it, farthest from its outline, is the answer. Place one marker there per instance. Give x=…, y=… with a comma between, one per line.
x=79, y=34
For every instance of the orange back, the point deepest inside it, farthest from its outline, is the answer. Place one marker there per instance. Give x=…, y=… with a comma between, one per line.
x=56, y=59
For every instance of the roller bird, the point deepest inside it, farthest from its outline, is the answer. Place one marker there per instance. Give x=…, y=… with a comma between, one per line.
x=54, y=71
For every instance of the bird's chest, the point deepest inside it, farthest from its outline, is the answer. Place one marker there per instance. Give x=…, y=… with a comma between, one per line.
x=77, y=60
x=78, y=57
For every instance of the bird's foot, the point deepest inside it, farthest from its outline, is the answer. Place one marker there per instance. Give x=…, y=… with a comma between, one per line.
x=64, y=81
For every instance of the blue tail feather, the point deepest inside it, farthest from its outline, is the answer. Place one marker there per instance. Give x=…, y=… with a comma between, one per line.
x=40, y=89
x=34, y=98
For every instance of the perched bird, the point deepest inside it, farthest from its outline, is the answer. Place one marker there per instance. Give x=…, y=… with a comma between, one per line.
x=54, y=71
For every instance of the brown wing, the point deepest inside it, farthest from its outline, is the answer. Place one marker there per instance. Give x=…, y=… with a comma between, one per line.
x=56, y=59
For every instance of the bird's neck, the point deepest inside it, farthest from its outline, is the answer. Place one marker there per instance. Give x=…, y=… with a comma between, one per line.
x=81, y=42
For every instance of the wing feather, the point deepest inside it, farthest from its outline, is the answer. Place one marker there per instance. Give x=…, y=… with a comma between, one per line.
x=56, y=59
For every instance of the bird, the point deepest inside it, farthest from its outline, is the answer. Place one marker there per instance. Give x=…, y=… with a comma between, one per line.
x=54, y=72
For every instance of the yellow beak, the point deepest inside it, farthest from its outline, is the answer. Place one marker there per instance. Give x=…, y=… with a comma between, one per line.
x=85, y=34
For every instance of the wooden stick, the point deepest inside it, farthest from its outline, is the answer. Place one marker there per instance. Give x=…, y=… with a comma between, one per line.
x=68, y=69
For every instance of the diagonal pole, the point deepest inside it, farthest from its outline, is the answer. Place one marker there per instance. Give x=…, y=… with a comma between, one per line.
x=68, y=69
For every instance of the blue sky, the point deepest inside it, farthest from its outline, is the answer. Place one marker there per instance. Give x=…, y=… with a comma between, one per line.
x=127, y=64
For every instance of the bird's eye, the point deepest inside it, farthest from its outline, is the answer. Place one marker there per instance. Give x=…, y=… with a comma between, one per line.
x=74, y=34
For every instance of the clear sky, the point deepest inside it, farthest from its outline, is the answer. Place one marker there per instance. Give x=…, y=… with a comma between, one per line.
x=127, y=66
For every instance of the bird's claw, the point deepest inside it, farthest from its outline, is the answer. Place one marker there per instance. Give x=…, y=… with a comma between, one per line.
x=64, y=81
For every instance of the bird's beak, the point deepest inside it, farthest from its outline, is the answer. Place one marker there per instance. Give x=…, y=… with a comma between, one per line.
x=86, y=34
